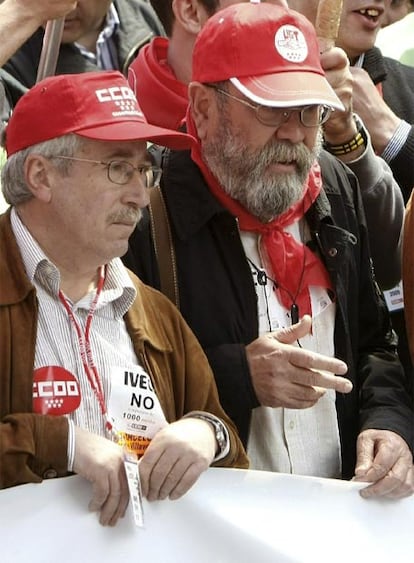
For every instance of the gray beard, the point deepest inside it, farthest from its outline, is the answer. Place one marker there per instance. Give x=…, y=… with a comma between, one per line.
x=245, y=176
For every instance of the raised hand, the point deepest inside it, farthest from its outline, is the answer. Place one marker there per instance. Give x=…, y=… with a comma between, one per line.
x=285, y=375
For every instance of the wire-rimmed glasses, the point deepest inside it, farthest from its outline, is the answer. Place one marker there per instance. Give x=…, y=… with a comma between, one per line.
x=121, y=172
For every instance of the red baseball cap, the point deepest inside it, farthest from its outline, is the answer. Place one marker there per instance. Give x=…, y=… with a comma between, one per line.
x=97, y=105
x=269, y=53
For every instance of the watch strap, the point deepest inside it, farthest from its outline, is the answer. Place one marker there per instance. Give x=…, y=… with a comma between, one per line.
x=220, y=431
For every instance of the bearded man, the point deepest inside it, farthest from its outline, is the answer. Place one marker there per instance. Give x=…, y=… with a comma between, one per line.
x=272, y=261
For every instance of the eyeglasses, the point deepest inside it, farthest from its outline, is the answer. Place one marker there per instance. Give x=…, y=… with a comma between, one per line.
x=310, y=116
x=121, y=172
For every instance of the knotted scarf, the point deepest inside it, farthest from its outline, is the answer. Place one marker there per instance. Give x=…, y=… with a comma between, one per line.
x=295, y=267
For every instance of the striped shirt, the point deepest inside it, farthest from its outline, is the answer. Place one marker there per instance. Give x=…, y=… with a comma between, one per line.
x=57, y=343
x=106, y=57
x=400, y=135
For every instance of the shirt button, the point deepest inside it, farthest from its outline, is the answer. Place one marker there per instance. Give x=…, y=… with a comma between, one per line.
x=48, y=269
x=292, y=424
x=50, y=474
x=333, y=252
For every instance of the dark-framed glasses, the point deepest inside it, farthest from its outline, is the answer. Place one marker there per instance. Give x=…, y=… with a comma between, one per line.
x=310, y=116
x=121, y=172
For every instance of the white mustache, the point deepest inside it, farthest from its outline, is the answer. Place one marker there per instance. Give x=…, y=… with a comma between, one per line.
x=126, y=215
x=282, y=151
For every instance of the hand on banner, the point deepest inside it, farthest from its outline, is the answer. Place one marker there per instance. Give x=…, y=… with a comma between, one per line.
x=175, y=458
x=384, y=459
x=284, y=375
x=101, y=462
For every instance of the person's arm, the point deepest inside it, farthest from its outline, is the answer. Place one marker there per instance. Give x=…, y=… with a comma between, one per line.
x=381, y=194
x=391, y=136
x=187, y=392
x=34, y=447
x=341, y=128
x=408, y=271
x=379, y=118
x=19, y=19
x=401, y=165
x=384, y=460
x=385, y=440
x=384, y=211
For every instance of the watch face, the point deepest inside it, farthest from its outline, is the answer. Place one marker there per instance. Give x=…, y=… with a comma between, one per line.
x=220, y=436
x=219, y=431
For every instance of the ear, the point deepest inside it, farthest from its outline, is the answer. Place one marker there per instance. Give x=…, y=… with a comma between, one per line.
x=190, y=14
x=203, y=107
x=38, y=173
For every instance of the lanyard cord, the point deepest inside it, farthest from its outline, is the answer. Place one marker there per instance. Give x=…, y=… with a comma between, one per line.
x=84, y=342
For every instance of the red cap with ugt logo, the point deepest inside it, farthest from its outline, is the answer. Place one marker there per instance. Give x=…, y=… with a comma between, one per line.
x=269, y=53
x=97, y=105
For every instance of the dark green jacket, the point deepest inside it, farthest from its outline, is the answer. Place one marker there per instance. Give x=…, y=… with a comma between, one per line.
x=138, y=25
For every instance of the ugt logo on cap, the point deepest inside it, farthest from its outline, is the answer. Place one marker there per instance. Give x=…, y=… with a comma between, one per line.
x=291, y=44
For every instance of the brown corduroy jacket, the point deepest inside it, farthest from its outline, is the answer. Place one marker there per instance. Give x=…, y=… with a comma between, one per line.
x=34, y=446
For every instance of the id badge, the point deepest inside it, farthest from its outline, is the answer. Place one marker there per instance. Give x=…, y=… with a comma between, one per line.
x=134, y=409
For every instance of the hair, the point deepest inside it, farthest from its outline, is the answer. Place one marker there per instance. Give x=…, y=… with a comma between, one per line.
x=165, y=13
x=13, y=181
x=211, y=6
x=222, y=101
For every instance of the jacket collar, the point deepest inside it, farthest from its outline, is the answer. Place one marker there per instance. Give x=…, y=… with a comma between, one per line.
x=11, y=266
x=374, y=65
x=190, y=201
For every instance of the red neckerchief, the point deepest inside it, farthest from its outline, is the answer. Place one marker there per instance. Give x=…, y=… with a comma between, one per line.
x=295, y=267
x=163, y=98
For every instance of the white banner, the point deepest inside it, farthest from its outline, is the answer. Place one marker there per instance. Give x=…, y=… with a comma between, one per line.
x=229, y=516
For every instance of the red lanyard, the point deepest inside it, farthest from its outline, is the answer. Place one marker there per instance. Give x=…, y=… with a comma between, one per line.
x=85, y=346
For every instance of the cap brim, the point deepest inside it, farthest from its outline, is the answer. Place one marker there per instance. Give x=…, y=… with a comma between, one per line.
x=138, y=131
x=288, y=89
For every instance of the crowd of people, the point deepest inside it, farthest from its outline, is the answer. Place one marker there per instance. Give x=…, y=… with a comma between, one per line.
x=211, y=151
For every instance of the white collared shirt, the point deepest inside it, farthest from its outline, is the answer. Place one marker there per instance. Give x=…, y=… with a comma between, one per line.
x=299, y=441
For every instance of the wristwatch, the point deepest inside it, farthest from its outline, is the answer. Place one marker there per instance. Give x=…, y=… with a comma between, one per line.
x=220, y=431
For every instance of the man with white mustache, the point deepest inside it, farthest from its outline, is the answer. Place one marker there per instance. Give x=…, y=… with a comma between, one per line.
x=85, y=345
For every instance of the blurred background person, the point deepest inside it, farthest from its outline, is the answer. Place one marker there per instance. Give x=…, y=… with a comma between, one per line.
x=397, y=40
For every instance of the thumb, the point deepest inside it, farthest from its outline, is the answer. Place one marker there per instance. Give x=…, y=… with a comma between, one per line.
x=365, y=455
x=290, y=334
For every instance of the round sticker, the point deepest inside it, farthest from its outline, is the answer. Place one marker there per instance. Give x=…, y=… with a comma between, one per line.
x=55, y=391
x=291, y=44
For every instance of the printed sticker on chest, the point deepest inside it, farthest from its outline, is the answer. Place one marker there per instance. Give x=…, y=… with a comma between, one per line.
x=134, y=408
x=56, y=391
